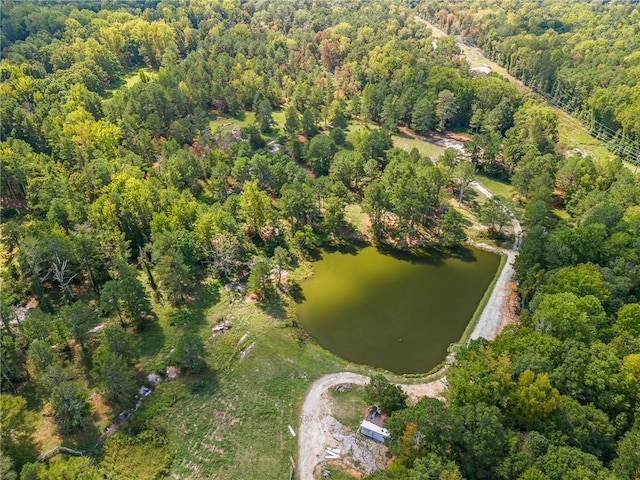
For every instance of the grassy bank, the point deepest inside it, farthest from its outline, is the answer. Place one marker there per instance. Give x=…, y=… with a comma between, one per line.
x=231, y=421
x=483, y=303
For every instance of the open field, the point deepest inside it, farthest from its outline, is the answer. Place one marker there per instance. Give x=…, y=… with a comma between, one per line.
x=357, y=128
x=231, y=422
x=572, y=134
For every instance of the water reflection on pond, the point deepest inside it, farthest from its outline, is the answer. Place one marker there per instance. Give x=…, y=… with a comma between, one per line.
x=392, y=310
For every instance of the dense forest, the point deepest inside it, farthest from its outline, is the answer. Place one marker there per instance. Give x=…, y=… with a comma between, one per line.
x=582, y=55
x=124, y=192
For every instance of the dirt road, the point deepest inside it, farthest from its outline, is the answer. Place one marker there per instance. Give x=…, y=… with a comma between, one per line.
x=313, y=438
x=496, y=313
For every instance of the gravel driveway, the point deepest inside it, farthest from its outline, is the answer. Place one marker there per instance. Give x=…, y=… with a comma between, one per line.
x=313, y=438
x=496, y=314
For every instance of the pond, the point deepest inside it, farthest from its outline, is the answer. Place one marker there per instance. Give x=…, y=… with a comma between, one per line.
x=392, y=310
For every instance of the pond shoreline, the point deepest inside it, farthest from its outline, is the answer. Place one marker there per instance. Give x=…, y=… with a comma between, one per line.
x=491, y=320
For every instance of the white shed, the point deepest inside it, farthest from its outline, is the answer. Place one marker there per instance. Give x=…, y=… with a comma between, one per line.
x=373, y=431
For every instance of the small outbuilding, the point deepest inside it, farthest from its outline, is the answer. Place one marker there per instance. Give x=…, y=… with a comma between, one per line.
x=373, y=431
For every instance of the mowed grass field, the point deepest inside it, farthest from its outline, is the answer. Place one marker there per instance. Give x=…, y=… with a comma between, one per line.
x=231, y=422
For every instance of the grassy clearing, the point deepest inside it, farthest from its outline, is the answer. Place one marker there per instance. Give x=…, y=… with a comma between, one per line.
x=349, y=406
x=497, y=187
x=130, y=78
x=425, y=148
x=357, y=129
x=231, y=422
x=225, y=123
x=357, y=218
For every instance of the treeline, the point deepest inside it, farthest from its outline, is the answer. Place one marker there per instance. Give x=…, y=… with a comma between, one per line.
x=582, y=55
x=557, y=396
x=118, y=200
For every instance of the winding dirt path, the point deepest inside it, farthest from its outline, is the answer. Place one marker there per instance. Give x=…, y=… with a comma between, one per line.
x=313, y=439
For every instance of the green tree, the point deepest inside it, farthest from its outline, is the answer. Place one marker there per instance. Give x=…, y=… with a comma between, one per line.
x=387, y=396
x=422, y=115
x=494, y=214
x=306, y=240
x=479, y=439
x=319, y=153
x=562, y=463
x=7, y=471
x=69, y=401
x=17, y=429
x=77, y=319
x=40, y=355
x=308, y=123
x=375, y=203
x=252, y=135
x=122, y=343
x=190, y=353
x=445, y=108
x=281, y=260
x=452, y=228
x=264, y=116
x=174, y=276
x=375, y=144
x=259, y=282
x=113, y=374
x=536, y=123
x=464, y=173
x=566, y=315
x=627, y=461
x=291, y=120
x=533, y=399
x=52, y=376
x=255, y=208
x=333, y=217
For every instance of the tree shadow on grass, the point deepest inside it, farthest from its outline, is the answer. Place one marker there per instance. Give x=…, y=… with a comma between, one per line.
x=203, y=383
x=274, y=306
x=192, y=315
x=83, y=440
x=294, y=290
x=152, y=339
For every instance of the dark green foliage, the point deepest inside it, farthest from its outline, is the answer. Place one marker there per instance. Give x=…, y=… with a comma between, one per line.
x=69, y=401
x=319, y=152
x=189, y=353
x=114, y=182
x=387, y=396
x=113, y=374
x=259, y=282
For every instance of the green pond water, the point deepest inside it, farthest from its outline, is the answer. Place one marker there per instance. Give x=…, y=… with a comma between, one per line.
x=395, y=311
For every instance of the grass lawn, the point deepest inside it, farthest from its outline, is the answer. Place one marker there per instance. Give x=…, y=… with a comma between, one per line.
x=432, y=150
x=130, y=78
x=243, y=119
x=497, y=187
x=357, y=128
x=354, y=215
x=349, y=406
x=231, y=422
